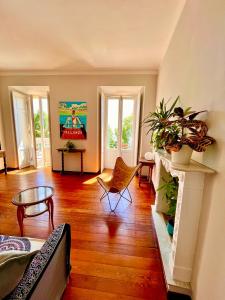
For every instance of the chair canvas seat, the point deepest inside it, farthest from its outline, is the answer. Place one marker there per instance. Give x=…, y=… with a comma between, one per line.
x=107, y=185
x=121, y=178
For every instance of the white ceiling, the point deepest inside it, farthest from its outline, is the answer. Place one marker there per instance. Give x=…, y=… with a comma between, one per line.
x=85, y=35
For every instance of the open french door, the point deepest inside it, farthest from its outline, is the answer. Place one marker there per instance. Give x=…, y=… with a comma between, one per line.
x=23, y=129
x=121, y=130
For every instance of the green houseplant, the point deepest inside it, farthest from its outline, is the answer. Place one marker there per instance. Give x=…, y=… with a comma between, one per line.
x=170, y=192
x=184, y=130
x=157, y=122
x=69, y=145
x=175, y=128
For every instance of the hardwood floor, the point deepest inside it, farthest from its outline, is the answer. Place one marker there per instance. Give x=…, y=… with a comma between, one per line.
x=113, y=256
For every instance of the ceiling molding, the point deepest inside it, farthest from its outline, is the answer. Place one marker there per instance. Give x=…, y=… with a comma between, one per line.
x=64, y=73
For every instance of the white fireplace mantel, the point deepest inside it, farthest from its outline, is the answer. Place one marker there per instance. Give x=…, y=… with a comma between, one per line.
x=178, y=253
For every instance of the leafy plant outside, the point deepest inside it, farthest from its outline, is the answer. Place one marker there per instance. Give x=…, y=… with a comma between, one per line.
x=37, y=125
x=112, y=138
x=126, y=134
x=127, y=130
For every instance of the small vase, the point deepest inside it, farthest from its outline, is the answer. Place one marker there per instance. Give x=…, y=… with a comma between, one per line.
x=183, y=156
x=149, y=156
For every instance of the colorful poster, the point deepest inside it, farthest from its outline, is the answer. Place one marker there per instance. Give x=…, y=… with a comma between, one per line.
x=73, y=120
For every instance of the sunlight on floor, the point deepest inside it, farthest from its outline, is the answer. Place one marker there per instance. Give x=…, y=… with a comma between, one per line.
x=24, y=171
x=104, y=176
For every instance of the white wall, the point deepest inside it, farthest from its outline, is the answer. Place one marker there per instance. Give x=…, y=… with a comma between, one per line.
x=82, y=87
x=194, y=68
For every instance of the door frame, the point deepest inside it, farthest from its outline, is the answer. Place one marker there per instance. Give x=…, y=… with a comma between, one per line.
x=101, y=131
x=136, y=125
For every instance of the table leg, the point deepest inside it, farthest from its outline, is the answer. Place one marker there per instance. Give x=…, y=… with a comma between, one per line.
x=150, y=174
x=62, y=162
x=149, y=170
x=140, y=175
x=20, y=217
x=81, y=162
x=5, y=166
x=51, y=210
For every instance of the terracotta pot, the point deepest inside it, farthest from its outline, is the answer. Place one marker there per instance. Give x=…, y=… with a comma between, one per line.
x=183, y=156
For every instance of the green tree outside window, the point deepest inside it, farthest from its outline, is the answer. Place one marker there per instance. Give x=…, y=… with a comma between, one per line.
x=126, y=134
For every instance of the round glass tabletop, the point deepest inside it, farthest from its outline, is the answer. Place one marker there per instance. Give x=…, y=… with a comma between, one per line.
x=33, y=195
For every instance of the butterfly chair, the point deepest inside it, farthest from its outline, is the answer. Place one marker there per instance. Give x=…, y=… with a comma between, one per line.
x=118, y=184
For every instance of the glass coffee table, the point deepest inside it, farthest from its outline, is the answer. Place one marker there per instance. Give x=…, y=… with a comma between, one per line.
x=33, y=202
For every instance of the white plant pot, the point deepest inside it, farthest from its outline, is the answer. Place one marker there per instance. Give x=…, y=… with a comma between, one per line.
x=183, y=156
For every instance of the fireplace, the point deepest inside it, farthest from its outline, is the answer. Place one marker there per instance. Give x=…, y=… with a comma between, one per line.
x=178, y=253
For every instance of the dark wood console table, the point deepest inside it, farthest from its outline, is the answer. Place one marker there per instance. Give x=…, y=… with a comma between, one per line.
x=2, y=154
x=66, y=150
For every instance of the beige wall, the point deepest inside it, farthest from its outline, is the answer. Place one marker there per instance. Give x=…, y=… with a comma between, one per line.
x=2, y=141
x=82, y=87
x=194, y=68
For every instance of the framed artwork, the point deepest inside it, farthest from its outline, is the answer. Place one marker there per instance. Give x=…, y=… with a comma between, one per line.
x=73, y=120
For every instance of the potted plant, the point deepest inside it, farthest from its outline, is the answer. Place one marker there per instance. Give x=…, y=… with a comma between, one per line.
x=170, y=189
x=157, y=123
x=69, y=145
x=176, y=130
x=185, y=134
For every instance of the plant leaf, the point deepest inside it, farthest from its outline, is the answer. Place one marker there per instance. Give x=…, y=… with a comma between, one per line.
x=194, y=115
x=174, y=104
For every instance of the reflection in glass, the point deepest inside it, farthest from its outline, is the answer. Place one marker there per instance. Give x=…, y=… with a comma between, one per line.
x=32, y=195
x=127, y=123
x=112, y=126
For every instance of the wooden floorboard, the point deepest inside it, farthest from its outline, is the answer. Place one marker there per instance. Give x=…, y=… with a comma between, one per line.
x=113, y=255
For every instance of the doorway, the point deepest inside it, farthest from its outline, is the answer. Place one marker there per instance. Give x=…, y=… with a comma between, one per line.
x=120, y=108
x=31, y=122
x=120, y=130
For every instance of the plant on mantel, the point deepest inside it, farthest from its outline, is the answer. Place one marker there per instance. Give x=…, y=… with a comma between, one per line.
x=172, y=128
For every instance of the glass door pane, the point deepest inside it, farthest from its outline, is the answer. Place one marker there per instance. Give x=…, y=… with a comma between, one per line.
x=38, y=131
x=45, y=132
x=112, y=129
x=112, y=123
x=127, y=123
x=41, y=131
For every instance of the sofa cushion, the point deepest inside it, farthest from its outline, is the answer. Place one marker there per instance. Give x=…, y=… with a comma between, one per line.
x=40, y=262
x=14, y=243
x=12, y=267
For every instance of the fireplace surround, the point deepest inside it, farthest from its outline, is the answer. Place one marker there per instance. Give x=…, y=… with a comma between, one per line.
x=178, y=252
